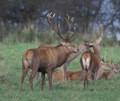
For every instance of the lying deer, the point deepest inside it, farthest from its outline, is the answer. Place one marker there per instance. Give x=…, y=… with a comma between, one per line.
x=78, y=75
x=45, y=60
x=115, y=69
x=70, y=76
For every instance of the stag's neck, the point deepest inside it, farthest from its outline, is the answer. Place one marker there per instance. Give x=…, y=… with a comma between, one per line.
x=62, y=54
x=63, y=50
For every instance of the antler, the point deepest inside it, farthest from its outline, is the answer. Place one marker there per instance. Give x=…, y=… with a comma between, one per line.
x=50, y=17
x=69, y=23
x=58, y=32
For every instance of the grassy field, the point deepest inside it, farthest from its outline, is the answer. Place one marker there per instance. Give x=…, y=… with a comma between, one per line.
x=10, y=75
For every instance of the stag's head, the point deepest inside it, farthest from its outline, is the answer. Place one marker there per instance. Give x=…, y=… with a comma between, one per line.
x=66, y=41
x=70, y=48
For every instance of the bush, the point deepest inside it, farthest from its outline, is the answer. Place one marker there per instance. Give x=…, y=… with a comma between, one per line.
x=11, y=35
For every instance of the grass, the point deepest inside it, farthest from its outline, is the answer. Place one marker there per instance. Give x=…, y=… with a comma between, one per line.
x=10, y=75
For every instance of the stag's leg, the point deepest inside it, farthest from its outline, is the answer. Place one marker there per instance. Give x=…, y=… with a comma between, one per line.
x=64, y=68
x=33, y=73
x=24, y=73
x=49, y=72
x=43, y=80
x=36, y=77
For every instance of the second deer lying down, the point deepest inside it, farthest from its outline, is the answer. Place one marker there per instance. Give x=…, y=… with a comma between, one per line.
x=114, y=70
x=78, y=75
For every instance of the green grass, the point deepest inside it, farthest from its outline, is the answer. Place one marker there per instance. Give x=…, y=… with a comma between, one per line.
x=10, y=75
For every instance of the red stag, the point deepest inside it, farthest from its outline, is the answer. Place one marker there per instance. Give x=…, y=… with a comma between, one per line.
x=45, y=60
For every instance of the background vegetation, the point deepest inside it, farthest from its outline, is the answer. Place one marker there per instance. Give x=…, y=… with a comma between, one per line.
x=26, y=21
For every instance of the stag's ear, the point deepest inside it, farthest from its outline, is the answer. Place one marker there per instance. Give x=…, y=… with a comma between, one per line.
x=63, y=43
x=98, y=40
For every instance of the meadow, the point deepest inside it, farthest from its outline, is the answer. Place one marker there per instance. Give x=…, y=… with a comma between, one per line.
x=10, y=75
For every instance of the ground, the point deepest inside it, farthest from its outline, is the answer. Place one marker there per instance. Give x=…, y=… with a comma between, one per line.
x=10, y=75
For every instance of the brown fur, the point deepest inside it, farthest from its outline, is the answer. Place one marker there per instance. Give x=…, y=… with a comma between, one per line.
x=81, y=47
x=44, y=46
x=44, y=60
x=90, y=61
x=70, y=75
x=114, y=70
x=93, y=66
x=78, y=75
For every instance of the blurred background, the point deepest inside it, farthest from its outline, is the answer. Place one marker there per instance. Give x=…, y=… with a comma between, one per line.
x=26, y=20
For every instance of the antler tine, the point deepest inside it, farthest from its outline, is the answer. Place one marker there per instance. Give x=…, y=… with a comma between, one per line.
x=50, y=16
x=69, y=23
x=58, y=32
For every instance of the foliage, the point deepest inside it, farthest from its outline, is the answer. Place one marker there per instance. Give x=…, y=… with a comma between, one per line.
x=89, y=14
x=10, y=74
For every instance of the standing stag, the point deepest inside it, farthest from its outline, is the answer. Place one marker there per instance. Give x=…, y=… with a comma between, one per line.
x=81, y=47
x=45, y=60
x=90, y=61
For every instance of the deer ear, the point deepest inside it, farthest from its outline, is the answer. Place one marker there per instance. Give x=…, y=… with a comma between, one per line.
x=98, y=40
x=62, y=43
x=102, y=60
